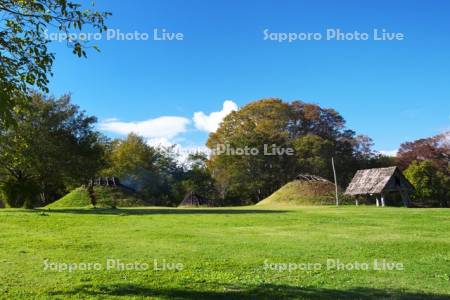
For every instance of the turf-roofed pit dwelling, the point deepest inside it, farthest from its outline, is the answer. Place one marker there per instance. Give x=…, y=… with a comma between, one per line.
x=101, y=192
x=381, y=183
x=195, y=200
x=306, y=189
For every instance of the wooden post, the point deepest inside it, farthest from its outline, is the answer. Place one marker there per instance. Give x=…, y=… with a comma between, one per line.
x=382, y=200
x=356, y=202
x=378, y=203
x=335, y=181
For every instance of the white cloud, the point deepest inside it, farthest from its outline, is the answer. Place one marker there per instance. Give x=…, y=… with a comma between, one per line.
x=160, y=142
x=389, y=152
x=182, y=152
x=211, y=122
x=166, y=131
x=165, y=127
x=446, y=135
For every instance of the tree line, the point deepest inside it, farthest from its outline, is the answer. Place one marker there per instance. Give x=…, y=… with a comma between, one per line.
x=54, y=147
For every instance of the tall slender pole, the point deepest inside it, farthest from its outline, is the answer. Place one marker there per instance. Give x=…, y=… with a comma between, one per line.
x=335, y=181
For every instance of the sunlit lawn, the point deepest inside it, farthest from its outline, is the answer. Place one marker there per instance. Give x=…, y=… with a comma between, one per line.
x=223, y=253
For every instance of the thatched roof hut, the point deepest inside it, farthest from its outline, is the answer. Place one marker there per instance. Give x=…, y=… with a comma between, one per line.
x=194, y=199
x=380, y=181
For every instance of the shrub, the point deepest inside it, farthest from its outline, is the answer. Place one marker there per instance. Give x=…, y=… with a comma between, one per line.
x=20, y=193
x=432, y=186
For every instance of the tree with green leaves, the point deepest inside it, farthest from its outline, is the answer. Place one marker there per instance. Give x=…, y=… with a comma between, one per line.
x=431, y=185
x=25, y=59
x=249, y=178
x=53, y=147
x=435, y=149
x=197, y=178
x=152, y=171
x=315, y=134
x=313, y=155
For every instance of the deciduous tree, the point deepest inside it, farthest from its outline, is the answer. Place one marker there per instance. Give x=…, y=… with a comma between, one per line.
x=52, y=147
x=435, y=149
x=152, y=171
x=431, y=185
x=315, y=133
x=25, y=58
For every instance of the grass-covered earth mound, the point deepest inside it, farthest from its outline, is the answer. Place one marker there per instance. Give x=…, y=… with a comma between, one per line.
x=301, y=192
x=106, y=196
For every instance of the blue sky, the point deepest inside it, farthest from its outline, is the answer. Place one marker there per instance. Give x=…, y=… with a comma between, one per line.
x=392, y=91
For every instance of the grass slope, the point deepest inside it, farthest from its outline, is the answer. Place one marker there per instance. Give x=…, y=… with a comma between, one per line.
x=299, y=192
x=106, y=197
x=223, y=252
x=79, y=197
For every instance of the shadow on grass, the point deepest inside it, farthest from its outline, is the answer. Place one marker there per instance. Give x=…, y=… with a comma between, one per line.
x=153, y=211
x=259, y=292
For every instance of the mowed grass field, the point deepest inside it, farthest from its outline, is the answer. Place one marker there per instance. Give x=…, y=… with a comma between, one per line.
x=226, y=253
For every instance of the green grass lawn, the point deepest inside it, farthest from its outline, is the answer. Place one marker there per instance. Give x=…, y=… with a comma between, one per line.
x=224, y=253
